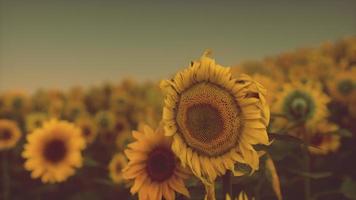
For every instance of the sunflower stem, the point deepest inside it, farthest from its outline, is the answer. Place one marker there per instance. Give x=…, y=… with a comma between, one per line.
x=5, y=177
x=227, y=184
x=307, y=184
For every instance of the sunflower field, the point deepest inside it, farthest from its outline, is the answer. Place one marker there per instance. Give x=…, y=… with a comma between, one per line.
x=278, y=128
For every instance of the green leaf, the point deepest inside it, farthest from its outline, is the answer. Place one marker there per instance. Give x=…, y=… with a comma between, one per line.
x=90, y=162
x=348, y=188
x=312, y=175
x=286, y=138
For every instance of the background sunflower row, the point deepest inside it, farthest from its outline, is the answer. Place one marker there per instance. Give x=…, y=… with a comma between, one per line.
x=311, y=92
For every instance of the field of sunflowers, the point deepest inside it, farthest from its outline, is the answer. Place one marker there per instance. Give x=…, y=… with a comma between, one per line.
x=278, y=128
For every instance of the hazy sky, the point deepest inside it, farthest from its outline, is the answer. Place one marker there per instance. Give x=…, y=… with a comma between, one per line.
x=66, y=42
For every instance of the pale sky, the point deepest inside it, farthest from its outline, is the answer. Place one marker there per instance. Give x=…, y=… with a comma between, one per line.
x=75, y=42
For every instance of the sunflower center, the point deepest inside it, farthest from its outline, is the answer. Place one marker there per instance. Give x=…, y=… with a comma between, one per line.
x=38, y=123
x=5, y=134
x=161, y=164
x=55, y=150
x=205, y=121
x=299, y=107
x=119, y=127
x=118, y=167
x=86, y=131
x=208, y=118
x=104, y=122
x=317, y=140
x=345, y=87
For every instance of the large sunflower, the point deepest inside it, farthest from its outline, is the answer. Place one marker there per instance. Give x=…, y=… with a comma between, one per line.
x=9, y=134
x=214, y=118
x=54, y=151
x=116, y=165
x=153, y=167
x=301, y=103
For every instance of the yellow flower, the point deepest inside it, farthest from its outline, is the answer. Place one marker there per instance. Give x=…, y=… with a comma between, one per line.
x=153, y=167
x=74, y=109
x=56, y=107
x=112, y=135
x=35, y=120
x=301, y=103
x=16, y=102
x=88, y=128
x=53, y=152
x=121, y=101
x=10, y=134
x=105, y=121
x=214, y=118
x=116, y=165
x=342, y=86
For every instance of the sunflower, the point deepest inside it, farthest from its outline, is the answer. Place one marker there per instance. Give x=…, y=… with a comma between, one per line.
x=116, y=165
x=214, y=118
x=105, y=121
x=325, y=139
x=343, y=86
x=10, y=134
x=88, y=128
x=16, y=102
x=55, y=107
x=53, y=151
x=74, y=109
x=303, y=103
x=121, y=101
x=153, y=167
x=35, y=120
x=120, y=127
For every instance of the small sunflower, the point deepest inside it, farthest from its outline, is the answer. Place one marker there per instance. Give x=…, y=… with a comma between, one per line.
x=53, y=151
x=325, y=138
x=153, y=167
x=120, y=127
x=214, y=118
x=121, y=101
x=301, y=103
x=10, y=134
x=88, y=128
x=73, y=110
x=35, y=120
x=105, y=121
x=116, y=165
x=343, y=86
x=55, y=107
x=16, y=102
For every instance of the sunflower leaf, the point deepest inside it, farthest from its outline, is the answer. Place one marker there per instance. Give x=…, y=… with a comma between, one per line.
x=90, y=162
x=348, y=188
x=286, y=137
x=312, y=175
